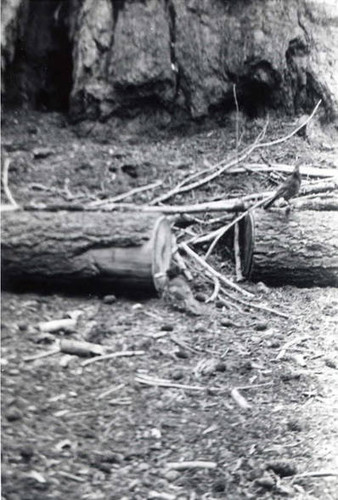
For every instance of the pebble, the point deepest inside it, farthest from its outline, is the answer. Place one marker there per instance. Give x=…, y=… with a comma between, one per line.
x=177, y=375
x=331, y=363
x=260, y=326
x=109, y=299
x=266, y=482
x=294, y=425
x=182, y=354
x=282, y=468
x=220, y=366
x=286, y=377
x=171, y=475
x=167, y=327
x=13, y=413
x=40, y=153
x=261, y=287
x=200, y=297
x=219, y=486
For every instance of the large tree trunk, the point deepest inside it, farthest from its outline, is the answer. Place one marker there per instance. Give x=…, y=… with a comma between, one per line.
x=299, y=248
x=281, y=54
x=117, y=250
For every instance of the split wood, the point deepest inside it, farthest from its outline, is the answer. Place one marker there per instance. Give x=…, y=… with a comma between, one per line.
x=111, y=356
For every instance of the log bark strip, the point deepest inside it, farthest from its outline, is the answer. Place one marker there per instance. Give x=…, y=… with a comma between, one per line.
x=117, y=250
x=299, y=248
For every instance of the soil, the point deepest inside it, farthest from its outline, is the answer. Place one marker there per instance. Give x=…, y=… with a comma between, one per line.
x=96, y=431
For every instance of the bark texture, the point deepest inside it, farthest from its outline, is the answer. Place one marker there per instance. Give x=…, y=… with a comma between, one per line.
x=298, y=249
x=182, y=57
x=71, y=248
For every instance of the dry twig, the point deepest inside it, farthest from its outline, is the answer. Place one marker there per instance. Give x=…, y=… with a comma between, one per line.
x=108, y=201
x=211, y=271
x=7, y=191
x=196, y=464
x=111, y=356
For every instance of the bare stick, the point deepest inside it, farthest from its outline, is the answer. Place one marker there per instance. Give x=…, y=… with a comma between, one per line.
x=110, y=391
x=224, y=167
x=157, y=495
x=122, y=196
x=254, y=306
x=113, y=355
x=256, y=145
x=182, y=344
x=316, y=474
x=7, y=191
x=294, y=132
x=71, y=476
x=240, y=400
x=237, y=116
x=42, y=355
x=212, y=271
x=238, y=263
x=221, y=232
x=158, y=382
x=196, y=464
x=287, y=346
x=217, y=287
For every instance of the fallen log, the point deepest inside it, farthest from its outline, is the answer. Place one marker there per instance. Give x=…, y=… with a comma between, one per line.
x=297, y=248
x=86, y=249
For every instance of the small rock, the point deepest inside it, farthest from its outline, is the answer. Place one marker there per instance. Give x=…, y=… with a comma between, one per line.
x=294, y=425
x=286, y=377
x=26, y=452
x=171, y=475
x=23, y=326
x=167, y=327
x=219, y=304
x=219, y=486
x=331, y=363
x=220, y=366
x=182, y=354
x=261, y=287
x=109, y=299
x=227, y=322
x=200, y=297
x=260, y=326
x=282, y=468
x=274, y=344
x=40, y=153
x=266, y=482
x=13, y=413
x=177, y=375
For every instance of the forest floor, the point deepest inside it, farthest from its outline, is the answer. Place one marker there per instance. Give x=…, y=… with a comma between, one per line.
x=94, y=431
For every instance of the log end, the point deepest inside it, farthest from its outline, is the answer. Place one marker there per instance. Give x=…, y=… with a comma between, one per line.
x=161, y=253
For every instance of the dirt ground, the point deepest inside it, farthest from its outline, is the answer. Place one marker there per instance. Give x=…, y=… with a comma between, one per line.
x=95, y=431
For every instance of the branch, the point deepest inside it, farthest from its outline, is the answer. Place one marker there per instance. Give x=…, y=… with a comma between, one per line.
x=212, y=271
x=7, y=191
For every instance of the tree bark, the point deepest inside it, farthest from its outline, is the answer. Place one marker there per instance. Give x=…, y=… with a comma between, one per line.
x=299, y=248
x=75, y=249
